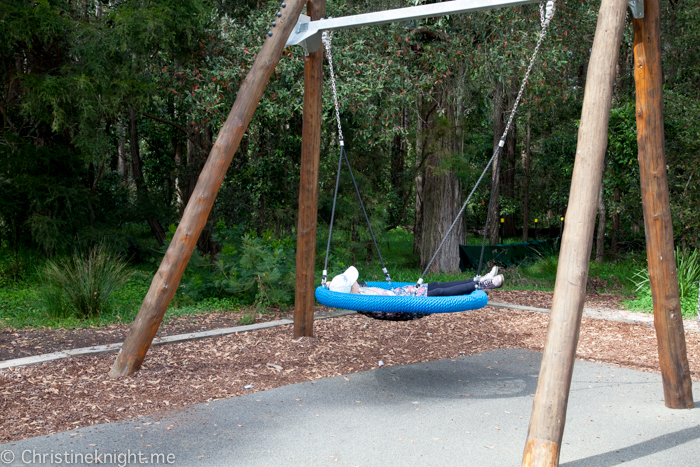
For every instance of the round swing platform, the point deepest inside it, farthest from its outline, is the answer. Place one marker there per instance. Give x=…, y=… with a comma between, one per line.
x=400, y=304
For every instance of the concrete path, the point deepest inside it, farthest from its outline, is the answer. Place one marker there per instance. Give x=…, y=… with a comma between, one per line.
x=470, y=411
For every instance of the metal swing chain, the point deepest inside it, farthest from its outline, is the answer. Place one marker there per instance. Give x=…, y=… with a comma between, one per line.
x=545, y=19
x=326, y=39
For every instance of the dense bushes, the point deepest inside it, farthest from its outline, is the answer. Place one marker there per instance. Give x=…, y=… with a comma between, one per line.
x=254, y=269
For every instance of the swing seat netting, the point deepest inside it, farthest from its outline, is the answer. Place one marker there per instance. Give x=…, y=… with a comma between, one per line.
x=400, y=304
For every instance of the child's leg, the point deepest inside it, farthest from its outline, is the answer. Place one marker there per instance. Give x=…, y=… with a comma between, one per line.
x=445, y=285
x=466, y=287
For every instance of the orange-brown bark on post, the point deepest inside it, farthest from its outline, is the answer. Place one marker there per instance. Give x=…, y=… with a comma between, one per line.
x=552, y=395
x=308, y=184
x=658, y=225
x=167, y=278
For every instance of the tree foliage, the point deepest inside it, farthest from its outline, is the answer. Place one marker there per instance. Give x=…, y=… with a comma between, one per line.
x=109, y=110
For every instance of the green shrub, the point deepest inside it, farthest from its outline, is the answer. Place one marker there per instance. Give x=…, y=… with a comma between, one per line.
x=82, y=284
x=255, y=269
x=688, y=266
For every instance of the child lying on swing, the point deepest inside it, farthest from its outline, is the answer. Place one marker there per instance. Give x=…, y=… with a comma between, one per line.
x=347, y=283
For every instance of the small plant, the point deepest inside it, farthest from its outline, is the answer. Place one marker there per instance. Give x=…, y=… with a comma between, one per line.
x=688, y=263
x=246, y=319
x=83, y=284
x=688, y=267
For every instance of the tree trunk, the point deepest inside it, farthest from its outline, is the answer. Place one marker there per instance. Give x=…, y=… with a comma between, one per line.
x=198, y=147
x=616, y=221
x=600, y=244
x=179, y=188
x=508, y=165
x=498, y=128
x=122, y=162
x=442, y=200
x=420, y=154
x=526, y=182
x=401, y=189
x=141, y=190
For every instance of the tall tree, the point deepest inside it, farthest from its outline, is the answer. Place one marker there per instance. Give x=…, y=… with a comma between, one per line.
x=526, y=180
x=442, y=192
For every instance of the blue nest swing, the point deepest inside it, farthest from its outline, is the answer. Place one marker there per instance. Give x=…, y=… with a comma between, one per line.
x=400, y=304
x=399, y=308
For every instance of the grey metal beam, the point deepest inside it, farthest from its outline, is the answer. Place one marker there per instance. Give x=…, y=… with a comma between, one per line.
x=308, y=33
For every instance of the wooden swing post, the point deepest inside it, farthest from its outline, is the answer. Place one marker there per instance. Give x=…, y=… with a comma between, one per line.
x=658, y=225
x=552, y=395
x=167, y=279
x=308, y=184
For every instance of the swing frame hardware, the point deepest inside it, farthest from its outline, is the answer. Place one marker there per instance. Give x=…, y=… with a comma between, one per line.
x=307, y=33
x=637, y=8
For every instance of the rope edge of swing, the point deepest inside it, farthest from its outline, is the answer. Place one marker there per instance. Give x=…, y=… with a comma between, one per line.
x=401, y=304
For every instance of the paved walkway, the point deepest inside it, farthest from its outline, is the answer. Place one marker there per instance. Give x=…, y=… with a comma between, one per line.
x=470, y=411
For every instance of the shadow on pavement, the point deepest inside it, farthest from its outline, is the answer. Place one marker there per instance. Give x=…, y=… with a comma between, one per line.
x=636, y=451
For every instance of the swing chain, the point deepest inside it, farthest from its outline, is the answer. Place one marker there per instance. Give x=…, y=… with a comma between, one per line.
x=545, y=18
x=546, y=14
x=326, y=39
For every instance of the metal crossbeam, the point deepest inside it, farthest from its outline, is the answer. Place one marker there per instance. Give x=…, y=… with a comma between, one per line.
x=308, y=33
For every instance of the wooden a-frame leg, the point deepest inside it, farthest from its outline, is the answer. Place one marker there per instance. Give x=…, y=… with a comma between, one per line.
x=167, y=278
x=552, y=395
x=308, y=184
x=658, y=224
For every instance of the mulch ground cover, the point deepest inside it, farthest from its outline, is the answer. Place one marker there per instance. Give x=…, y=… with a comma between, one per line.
x=18, y=343
x=71, y=393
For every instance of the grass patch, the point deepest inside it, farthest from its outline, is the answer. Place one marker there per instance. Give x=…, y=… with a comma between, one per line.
x=688, y=267
x=20, y=306
x=246, y=319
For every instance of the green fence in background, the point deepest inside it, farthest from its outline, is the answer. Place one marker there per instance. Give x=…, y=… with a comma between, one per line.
x=506, y=254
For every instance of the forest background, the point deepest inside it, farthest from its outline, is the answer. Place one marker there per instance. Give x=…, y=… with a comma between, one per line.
x=110, y=108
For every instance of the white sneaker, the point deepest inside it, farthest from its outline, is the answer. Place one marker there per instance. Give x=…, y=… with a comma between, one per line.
x=343, y=282
x=490, y=275
x=496, y=282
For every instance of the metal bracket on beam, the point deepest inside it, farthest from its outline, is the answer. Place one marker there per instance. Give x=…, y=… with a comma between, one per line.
x=637, y=8
x=307, y=33
x=308, y=38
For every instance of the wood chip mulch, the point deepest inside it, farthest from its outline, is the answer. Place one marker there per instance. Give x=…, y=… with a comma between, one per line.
x=543, y=299
x=18, y=343
x=67, y=394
